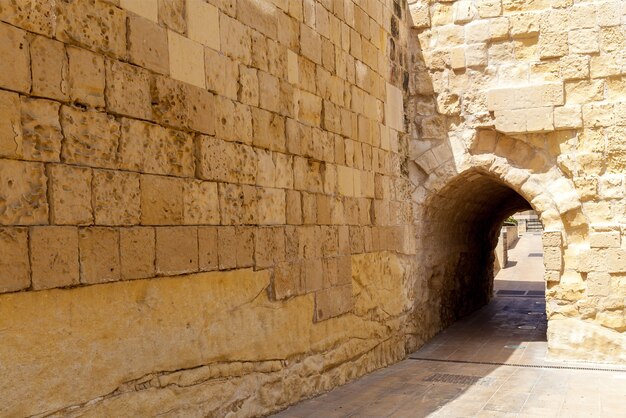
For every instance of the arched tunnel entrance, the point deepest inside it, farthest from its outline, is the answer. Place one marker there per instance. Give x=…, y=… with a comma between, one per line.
x=464, y=219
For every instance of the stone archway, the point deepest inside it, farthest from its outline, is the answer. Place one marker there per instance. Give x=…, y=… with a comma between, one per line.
x=461, y=205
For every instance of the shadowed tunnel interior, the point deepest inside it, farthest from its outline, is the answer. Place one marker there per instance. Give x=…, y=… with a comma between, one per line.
x=465, y=217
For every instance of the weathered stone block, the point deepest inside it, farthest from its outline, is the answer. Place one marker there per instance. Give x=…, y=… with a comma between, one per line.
x=147, y=44
x=15, y=63
x=269, y=130
x=86, y=78
x=226, y=161
x=227, y=248
x=11, y=138
x=14, y=263
x=269, y=244
x=222, y=74
x=333, y=302
x=201, y=110
x=568, y=117
x=137, y=253
x=150, y=148
x=200, y=203
x=128, y=90
x=70, y=195
x=420, y=15
x=235, y=40
x=186, y=59
x=249, y=85
x=41, y=130
x=271, y=206
x=94, y=24
x=583, y=41
x=116, y=197
x=615, y=260
x=176, y=250
x=172, y=15
x=99, y=254
x=207, y=248
x=49, y=67
x=161, y=200
x=244, y=237
x=24, y=190
x=238, y=204
x=54, y=256
x=605, y=239
x=553, y=258
x=489, y=8
x=288, y=280
x=35, y=17
x=91, y=138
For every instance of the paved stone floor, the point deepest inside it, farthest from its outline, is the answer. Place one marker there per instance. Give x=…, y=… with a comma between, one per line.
x=490, y=364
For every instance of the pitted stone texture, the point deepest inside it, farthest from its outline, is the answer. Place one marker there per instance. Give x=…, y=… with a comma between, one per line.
x=54, y=256
x=99, y=255
x=36, y=17
x=116, y=198
x=150, y=148
x=70, y=195
x=23, y=200
x=91, y=138
x=41, y=130
x=200, y=203
x=49, y=67
x=11, y=138
x=86, y=77
x=93, y=24
x=161, y=200
x=15, y=63
x=128, y=90
x=14, y=263
x=172, y=14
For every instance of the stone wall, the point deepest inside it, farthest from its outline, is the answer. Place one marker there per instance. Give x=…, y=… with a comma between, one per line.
x=203, y=203
x=224, y=206
x=528, y=95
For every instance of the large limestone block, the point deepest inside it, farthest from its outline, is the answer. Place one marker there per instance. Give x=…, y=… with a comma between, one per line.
x=91, y=138
x=36, y=17
x=24, y=191
x=575, y=339
x=186, y=59
x=128, y=90
x=94, y=24
x=203, y=23
x=54, y=256
x=99, y=255
x=11, y=139
x=86, y=77
x=147, y=45
x=41, y=129
x=49, y=67
x=14, y=263
x=526, y=96
x=15, y=63
x=116, y=197
x=161, y=200
x=137, y=252
x=70, y=194
x=130, y=329
x=150, y=148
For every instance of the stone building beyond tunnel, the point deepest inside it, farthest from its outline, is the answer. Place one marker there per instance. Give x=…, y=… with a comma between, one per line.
x=226, y=206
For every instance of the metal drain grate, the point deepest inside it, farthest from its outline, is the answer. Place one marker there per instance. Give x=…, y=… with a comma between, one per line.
x=536, y=293
x=535, y=254
x=522, y=293
x=458, y=379
x=532, y=366
x=511, y=292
